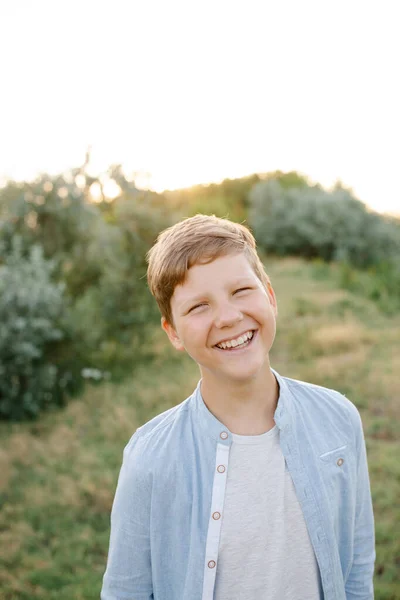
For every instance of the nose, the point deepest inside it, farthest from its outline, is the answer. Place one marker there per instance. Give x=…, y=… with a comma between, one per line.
x=227, y=315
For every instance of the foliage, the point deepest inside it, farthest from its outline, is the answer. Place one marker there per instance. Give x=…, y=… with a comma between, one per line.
x=116, y=315
x=380, y=283
x=97, y=256
x=53, y=212
x=32, y=311
x=225, y=199
x=332, y=226
x=288, y=180
x=230, y=198
x=312, y=222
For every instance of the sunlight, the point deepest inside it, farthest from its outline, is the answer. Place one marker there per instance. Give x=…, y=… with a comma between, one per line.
x=288, y=100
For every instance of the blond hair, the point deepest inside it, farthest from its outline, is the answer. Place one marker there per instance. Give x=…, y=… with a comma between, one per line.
x=199, y=239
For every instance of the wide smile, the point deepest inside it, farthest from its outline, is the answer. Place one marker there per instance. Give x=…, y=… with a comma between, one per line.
x=237, y=345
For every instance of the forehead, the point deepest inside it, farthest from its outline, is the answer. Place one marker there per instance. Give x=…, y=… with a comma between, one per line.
x=223, y=271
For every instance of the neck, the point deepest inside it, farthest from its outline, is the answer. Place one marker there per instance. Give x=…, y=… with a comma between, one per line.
x=245, y=408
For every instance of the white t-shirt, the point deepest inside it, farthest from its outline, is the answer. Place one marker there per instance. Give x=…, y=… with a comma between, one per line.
x=265, y=551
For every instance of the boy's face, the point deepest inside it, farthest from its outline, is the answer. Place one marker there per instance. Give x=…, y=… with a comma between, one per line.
x=224, y=302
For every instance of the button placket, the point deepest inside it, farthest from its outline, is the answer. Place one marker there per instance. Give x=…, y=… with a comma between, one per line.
x=215, y=518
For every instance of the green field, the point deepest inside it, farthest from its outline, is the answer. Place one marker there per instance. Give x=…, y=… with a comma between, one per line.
x=58, y=475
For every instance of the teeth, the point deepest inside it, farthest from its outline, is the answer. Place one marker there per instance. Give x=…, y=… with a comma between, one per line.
x=238, y=342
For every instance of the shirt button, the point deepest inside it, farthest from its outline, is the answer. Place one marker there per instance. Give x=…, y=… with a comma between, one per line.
x=221, y=469
x=211, y=564
x=216, y=516
x=340, y=461
x=223, y=435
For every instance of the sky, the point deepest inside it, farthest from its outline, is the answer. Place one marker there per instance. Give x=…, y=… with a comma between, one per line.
x=192, y=92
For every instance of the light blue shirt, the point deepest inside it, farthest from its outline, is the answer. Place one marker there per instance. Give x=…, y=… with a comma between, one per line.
x=164, y=540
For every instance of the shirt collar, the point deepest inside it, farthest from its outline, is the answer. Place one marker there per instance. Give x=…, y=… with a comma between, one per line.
x=283, y=411
x=213, y=428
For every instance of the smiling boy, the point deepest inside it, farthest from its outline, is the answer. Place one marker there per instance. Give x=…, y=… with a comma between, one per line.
x=256, y=486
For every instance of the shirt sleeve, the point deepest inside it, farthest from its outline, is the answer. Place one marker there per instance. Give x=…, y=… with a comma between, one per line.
x=359, y=583
x=128, y=572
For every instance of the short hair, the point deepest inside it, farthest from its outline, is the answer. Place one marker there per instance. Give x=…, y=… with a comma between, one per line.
x=195, y=240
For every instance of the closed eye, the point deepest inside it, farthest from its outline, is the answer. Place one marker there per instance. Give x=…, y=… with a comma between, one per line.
x=196, y=306
x=243, y=289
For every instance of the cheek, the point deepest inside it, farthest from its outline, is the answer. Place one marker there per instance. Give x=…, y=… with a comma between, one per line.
x=194, y=331
x=259, y=307
x=266, y=315
x=200, y=329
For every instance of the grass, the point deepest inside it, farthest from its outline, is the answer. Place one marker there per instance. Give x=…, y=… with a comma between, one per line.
x=58, y=475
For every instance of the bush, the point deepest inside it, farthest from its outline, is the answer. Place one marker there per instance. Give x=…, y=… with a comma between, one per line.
x=32, y=313
x=226, y=199
x=115, y=317
x=86, y=263
x=380, y=283
x=314, y=223
x=54, y=213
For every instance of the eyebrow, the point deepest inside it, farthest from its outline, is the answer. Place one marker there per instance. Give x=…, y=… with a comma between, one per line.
x=192, y=301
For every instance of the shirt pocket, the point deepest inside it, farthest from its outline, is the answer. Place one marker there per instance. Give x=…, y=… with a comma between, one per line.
x=327, y=457
x=337, y=471
x=338, y=468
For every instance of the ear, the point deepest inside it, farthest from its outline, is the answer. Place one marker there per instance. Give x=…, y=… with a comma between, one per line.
x=272, y=298
x=172, y=335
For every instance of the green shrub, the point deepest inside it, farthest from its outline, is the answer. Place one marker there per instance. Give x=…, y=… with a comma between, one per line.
x=115, y=317
x=380, y=283
x=314, y=223
x=97, y=255
x=226, y=199
x=51, y=211
x=331, y=226
x=32, y=314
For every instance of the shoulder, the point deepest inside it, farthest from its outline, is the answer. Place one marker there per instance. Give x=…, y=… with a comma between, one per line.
x=305, y=392
x=151, y=439
x=147, y=454
x=318, y=403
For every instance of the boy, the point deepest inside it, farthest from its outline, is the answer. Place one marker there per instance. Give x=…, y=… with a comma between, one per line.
x=256, y=486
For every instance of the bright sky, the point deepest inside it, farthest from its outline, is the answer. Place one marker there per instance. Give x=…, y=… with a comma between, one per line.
x=198, y=91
